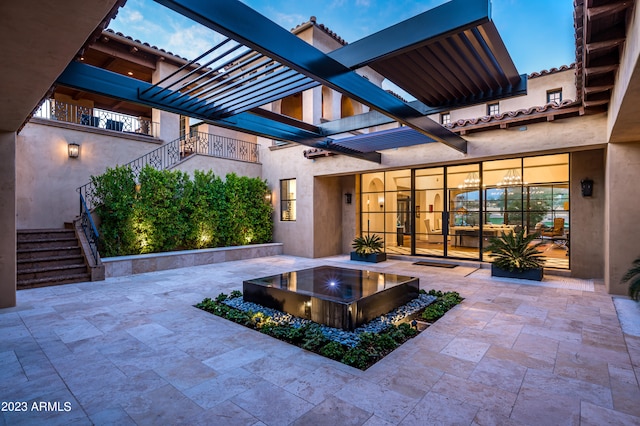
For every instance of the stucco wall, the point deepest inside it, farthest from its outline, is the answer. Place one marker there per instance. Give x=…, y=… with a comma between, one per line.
x=587, y=215
x=621, y=213
x=47, y=178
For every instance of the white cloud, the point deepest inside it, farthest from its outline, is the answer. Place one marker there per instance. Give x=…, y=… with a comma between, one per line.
x=363, y=3
x=132, y=16
x=191, y=41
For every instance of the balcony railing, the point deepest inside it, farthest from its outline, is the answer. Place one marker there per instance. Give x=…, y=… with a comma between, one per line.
x=52, y=109
x=173, y=152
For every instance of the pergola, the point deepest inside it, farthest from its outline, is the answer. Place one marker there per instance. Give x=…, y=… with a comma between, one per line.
x=446, y=57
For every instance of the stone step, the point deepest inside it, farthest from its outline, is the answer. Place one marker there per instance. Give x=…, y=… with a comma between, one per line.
x=49, y=281
x=36, y=253
x=48, y=243
x=45, y=262
x=39, y=234
x=51, y=271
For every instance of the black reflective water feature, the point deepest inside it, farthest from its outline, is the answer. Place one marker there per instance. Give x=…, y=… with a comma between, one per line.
x=337, y=297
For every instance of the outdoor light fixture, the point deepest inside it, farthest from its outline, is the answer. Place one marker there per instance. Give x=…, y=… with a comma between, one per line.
x=74, y=150
x=347, y=197
x=587, y=187
x=267, y=197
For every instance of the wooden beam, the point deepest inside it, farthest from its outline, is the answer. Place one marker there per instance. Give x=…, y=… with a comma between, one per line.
x=604, y=45
x=600, y=70
x=596, y=89
x=609, y=9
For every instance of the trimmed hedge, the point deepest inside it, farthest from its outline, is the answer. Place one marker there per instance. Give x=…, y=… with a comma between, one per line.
x=168, y=211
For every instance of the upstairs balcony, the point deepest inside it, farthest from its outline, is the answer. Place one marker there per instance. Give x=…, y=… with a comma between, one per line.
x=53, y=109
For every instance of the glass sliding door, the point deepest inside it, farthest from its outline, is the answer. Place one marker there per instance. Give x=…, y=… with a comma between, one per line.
x=398, y=211
x=464, y=201
x=430, y=218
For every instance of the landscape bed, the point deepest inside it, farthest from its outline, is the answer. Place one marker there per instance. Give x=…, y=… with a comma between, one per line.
x=360, y=348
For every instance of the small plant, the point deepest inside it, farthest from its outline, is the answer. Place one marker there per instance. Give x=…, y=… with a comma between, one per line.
x=356, y=357
x=221, y=297
x=368, y=244
x=333, y=350
x=235, y=294
x=441, y=305
x=515, y=251
x=632, y=277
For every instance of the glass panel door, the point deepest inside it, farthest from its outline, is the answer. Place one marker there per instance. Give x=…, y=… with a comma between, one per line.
x=464, y=199
x=430, y=228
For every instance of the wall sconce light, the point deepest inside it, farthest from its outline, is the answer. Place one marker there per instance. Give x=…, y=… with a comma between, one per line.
x=347, y=197
x=267, y=197
x=74, y=150
x=587, y=187
x=381, y=202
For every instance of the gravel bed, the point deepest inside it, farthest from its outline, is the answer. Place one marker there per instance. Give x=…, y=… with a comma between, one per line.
x=348, y=338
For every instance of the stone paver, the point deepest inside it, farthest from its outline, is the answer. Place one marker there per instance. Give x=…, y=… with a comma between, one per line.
x=134, y=350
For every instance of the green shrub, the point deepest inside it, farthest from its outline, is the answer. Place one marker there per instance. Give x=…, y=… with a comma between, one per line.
x=168, y=211
x=235, y=294
x=333, y=350
x=221, y=297
x=443, y=302
x=356, y=357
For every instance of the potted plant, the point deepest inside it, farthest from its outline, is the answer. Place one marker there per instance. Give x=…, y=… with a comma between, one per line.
x=516, y=256
x=633, y=278
x=368, y=248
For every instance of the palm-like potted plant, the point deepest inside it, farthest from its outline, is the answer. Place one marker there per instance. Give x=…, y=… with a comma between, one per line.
x=633, y=278
x=516, y=256
x=368, y=248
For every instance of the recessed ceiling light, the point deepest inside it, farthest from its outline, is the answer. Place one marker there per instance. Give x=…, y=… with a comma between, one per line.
x=129, y=73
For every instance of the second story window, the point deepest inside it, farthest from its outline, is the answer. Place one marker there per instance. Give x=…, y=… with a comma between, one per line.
x=493, y=109
x=288, y=200
x=445, y=118
x=554, y=96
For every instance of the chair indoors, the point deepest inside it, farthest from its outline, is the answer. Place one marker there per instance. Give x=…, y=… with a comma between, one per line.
x=556, y=234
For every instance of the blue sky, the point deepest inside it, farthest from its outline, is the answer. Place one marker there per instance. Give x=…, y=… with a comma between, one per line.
x=538, y=34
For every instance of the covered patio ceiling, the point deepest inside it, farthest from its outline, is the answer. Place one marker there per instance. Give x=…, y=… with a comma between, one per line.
x=446, y=57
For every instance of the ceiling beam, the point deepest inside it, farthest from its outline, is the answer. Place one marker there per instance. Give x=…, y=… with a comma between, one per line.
x=241, y=23
x=609, y=9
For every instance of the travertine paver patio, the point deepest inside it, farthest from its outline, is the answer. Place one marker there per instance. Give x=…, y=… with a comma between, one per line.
x=133, y=350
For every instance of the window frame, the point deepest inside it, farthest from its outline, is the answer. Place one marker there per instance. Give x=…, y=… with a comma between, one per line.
x=446, y=121
x=495, y=105
x=552, y=93
x=287, y=204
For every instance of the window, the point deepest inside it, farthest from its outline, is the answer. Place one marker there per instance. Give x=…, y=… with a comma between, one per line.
x=554, y=96
x=288, y=200
x=445, y=118
x=493, y=109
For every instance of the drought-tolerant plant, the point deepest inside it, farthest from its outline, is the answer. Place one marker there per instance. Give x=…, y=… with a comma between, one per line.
x=515, y=252
x=632, y=277
x=368, y=244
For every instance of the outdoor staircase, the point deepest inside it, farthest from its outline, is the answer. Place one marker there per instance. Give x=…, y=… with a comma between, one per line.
x=47, y=257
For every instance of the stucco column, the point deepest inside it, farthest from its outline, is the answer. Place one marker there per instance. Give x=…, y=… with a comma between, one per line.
x=622, y=211
x=7, y=219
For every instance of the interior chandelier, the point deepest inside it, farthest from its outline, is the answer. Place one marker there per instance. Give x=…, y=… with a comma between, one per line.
x=511, y=178
x=471, y=181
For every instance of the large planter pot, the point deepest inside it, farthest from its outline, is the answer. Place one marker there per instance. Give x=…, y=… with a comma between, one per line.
x=373, y=257
x=530, y=274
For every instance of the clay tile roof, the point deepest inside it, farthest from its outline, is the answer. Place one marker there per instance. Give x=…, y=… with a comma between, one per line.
x=552, y=70
x=324, y=28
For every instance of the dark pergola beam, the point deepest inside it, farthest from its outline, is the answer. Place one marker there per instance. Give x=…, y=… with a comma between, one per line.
x=241, y=23
x=96, y=80
x=437, y=23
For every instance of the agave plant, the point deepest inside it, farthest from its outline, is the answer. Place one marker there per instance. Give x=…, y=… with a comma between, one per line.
x=515, y=251
x=633, y=278
x=368, y=244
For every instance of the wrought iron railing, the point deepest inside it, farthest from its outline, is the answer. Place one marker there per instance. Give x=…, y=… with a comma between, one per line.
x=173, y=152
x=89, y=228
x=52, y=109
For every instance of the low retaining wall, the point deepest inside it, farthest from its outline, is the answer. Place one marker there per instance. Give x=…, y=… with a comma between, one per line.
x=130, y=265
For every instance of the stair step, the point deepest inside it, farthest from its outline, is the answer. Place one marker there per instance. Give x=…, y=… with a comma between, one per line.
x=52, y=271
x=39, y=234
x=34, y=253
x=47, y=243
x=49, y=281
x=44, y=262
